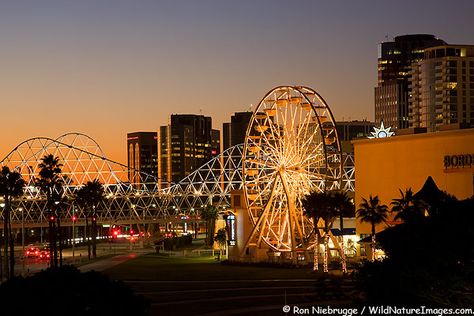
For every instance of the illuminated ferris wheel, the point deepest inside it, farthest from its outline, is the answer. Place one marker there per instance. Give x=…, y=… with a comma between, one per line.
x=291, y=147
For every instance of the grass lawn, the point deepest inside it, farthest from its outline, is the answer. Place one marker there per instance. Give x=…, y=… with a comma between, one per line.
x=164, y=268
x=200, y=285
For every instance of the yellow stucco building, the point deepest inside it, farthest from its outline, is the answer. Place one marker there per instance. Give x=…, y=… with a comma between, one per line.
x=385, y=165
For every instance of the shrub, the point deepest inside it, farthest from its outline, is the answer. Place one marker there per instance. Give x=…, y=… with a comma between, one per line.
x=67, y=291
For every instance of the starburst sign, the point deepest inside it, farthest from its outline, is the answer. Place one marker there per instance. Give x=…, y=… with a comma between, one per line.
x=381, y=132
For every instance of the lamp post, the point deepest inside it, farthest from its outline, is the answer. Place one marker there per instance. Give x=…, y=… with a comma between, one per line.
x=74, y=219
x=57, y=236
x=22, y=239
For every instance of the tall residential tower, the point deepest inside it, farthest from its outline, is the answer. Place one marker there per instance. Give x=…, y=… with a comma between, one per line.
x=442, y=87
x=394, y=65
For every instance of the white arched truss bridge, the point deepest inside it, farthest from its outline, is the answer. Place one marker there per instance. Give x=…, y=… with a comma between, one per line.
x=142, y=202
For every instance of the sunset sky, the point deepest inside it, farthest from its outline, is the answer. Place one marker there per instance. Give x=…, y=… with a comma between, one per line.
x=105, y=68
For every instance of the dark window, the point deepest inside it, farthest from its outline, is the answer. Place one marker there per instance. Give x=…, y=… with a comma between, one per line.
x=450, y=52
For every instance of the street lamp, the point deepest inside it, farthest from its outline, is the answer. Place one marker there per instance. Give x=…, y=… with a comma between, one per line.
x=74, y=219
x=58, y=235
x=22, y=239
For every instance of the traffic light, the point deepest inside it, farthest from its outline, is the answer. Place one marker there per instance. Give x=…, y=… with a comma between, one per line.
x=74, y=218
x=131, y=232
x=52, y=218
x=94, y=218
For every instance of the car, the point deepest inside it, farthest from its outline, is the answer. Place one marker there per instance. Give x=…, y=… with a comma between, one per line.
x=44, y=254
x=32, y=251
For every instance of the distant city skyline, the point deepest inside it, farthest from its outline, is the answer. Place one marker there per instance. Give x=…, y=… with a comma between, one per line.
x=112, y=67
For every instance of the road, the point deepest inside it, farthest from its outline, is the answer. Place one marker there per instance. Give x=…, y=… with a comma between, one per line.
x=104, y=252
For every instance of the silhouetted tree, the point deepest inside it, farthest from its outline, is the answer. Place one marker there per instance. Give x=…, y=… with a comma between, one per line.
x=344, y=208
x=51, y=183
x=414, y=271
x=319, y=205
x=408, y=208
x=221, y=239
x=209, y=214
x=89, y=196
x=372, y=212
x=11, y=186
x=67, y=291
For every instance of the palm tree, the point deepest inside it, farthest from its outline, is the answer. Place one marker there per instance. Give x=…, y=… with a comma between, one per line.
x=209, y=214
x=408, y=208
x=311, y=204
x=221, y=239
x=371, y=211
x=51, y=183
x=344, y=208
x=319, y=205
x=11, y=186
x=89, y=196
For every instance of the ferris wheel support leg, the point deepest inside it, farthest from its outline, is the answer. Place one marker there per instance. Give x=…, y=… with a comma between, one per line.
x=294, y=225
x=260, y=220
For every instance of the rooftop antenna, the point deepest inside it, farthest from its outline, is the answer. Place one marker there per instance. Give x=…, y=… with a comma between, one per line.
x=386, y=37
x=200, y=111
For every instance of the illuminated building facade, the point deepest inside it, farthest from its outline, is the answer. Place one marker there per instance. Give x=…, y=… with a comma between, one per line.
x=442, y=87
x=387, y=165
x=185, y=145
x=142, y=153
x=394, y=65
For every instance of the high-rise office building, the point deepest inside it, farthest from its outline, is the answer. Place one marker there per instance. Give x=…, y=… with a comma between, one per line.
x=185, y=145
x=234, y=132
x=442, y=87
x=394, y=65
x=142, y=153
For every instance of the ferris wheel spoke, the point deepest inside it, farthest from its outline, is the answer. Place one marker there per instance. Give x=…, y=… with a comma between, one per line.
x=315, y=153
x=305, y=146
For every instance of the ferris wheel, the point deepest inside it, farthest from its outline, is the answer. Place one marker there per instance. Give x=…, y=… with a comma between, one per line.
x=291, y=147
